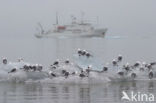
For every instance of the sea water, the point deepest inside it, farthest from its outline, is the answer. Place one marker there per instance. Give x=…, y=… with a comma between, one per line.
x=46, y=50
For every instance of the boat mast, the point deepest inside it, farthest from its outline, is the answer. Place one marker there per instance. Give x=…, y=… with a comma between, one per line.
x=97, y=20
x=82, y=17
x=56, y=18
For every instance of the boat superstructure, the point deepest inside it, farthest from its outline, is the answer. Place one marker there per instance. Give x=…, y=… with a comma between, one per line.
x=75, y=29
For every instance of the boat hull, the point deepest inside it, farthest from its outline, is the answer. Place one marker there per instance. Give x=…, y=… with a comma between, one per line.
x=95, y=33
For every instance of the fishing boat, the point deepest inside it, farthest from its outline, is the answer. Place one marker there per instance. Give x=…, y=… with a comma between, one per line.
x=74, y=29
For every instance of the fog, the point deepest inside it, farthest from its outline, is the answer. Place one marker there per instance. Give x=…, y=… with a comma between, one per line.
x=121, y=17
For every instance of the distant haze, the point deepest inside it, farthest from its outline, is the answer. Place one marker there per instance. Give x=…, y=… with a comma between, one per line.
x=121, y=17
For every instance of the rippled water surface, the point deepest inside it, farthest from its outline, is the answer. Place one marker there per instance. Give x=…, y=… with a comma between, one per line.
x=46, y=50
x=55, y=93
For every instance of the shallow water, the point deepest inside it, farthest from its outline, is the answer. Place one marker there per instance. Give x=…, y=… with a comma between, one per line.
x=46, y=50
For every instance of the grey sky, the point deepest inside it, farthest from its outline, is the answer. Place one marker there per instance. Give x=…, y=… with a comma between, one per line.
x=122, y=17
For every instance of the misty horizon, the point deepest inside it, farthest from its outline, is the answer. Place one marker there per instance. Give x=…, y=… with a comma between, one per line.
x=121, y=17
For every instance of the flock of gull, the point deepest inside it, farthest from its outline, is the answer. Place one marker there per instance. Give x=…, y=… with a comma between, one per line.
x=68, y=71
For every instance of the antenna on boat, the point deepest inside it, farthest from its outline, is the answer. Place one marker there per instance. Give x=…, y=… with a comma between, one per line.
x=97, y=20
x=56, y=18
x=73, y=19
